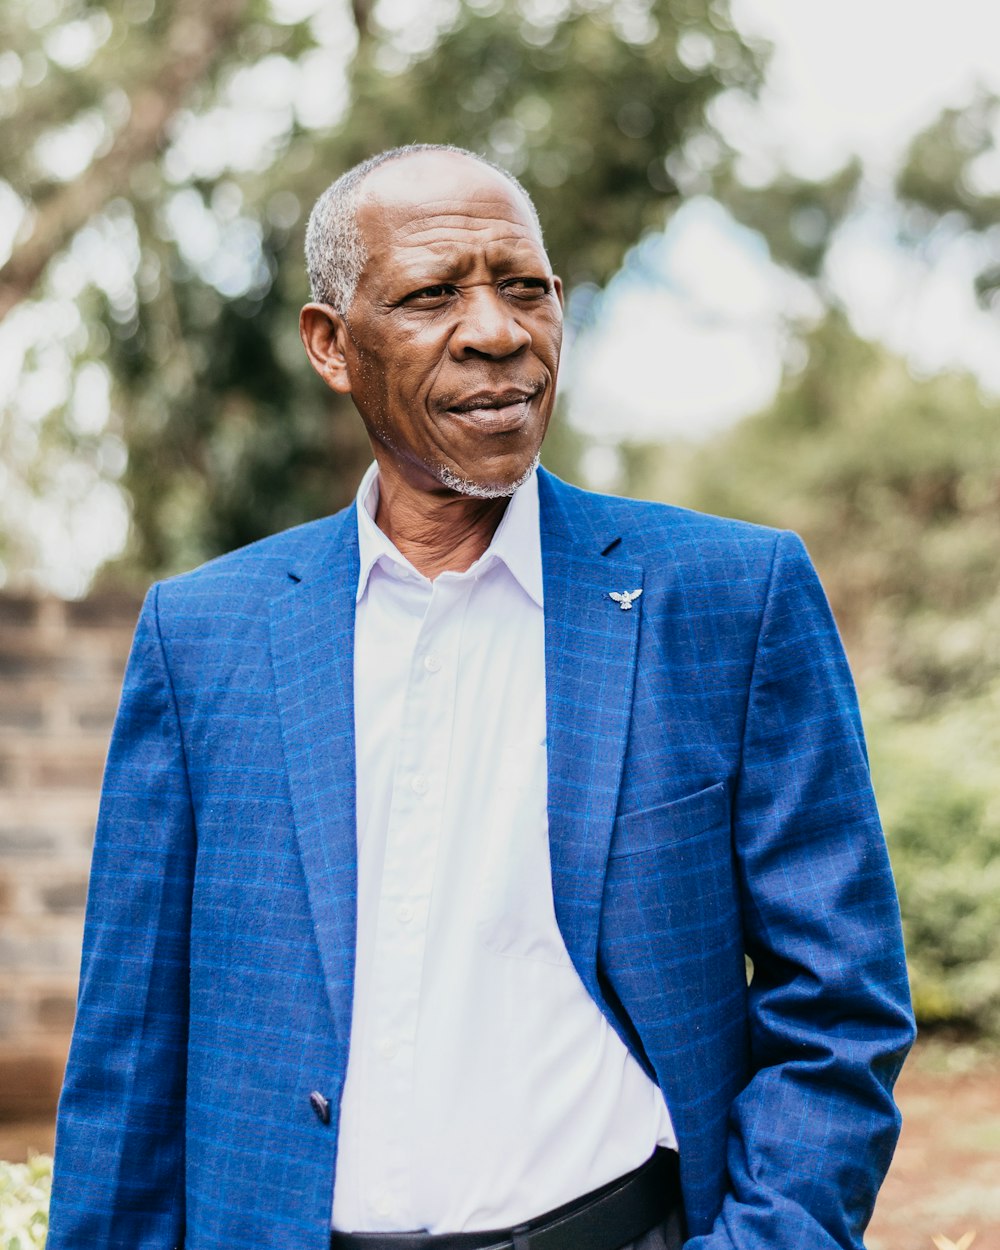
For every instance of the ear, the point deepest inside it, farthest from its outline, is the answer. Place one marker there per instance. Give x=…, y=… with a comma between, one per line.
x=324, y=336
x=557, y=286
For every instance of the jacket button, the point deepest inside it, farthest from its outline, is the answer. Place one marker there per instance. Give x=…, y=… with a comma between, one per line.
x=320, y=1105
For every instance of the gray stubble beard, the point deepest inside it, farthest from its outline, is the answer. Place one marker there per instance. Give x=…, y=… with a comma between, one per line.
x=478, y=490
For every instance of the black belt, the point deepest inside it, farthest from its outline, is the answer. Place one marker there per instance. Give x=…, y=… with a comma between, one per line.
x=606, y=1219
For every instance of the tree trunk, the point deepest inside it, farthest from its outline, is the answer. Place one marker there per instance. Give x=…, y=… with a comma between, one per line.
x=196, y=37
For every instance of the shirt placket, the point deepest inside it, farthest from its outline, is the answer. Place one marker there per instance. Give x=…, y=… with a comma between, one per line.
x=413, y=839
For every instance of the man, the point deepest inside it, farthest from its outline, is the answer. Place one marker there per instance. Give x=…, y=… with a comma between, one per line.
x=435, y=834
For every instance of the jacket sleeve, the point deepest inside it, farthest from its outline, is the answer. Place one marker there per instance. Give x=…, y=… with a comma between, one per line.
x=119, y=1158
x=812, y=1133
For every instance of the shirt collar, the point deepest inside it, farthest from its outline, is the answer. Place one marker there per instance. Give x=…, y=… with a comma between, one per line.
x=516, y=543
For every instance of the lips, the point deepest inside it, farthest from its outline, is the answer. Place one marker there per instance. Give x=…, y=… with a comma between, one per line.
x=504, y=410
x=484, y=401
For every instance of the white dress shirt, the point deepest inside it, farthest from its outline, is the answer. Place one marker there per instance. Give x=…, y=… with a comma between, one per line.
x=484, y=1087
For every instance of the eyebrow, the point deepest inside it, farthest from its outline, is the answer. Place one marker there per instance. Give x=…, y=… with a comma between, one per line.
x=442, y=271
x=431, y=269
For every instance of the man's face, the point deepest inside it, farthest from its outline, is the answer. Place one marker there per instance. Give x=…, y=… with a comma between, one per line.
x=451, y=343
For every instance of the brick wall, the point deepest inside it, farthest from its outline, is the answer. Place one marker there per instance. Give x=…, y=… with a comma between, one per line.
x=61, y=667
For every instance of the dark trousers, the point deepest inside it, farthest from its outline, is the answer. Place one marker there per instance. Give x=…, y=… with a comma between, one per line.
x=666, y=1236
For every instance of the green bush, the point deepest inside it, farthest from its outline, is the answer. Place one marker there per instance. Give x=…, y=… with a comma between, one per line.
x=24, y=1203
x=940, y=801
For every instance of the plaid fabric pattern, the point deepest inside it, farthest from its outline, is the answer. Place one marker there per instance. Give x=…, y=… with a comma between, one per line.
x=708, y=796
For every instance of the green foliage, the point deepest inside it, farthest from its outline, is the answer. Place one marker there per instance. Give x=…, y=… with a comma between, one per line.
x=24, y=1203
x=591, y=109
x=946, y=184
x=938, y=792
x=797, y=216
x=229, y=435
x=250, y=442
x=598, y=105
x=939, y=170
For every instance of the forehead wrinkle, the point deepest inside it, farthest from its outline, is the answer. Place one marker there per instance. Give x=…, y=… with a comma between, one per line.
x=445, y=260
x=403, y=217
x=484, y=201
x=444, y=255
x=446, y=241
x=449, y=228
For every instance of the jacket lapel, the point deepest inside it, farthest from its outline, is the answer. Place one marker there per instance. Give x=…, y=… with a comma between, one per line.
x=591, y=644
x=312, y=650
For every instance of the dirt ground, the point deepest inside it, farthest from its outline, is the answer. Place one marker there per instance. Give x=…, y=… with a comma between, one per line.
x=945, y=1178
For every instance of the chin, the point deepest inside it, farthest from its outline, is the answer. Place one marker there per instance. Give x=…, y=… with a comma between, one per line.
x=476, y=488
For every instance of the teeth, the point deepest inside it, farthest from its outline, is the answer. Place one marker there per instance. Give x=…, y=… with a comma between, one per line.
x=486, y=405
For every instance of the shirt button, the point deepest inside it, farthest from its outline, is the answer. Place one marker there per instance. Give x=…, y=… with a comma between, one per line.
x=432, y=663
x=387, y=1048
x=382, y=1205
x=404, y=913
x=418, y=784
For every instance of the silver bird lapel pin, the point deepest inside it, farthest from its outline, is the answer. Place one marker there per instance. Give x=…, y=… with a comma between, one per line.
x=625, y=599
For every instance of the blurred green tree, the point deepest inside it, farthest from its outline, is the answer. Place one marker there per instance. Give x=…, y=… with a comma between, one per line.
x=115, y=77
x=598, y=105
x=940, y=801
x=798, y=217
x=949, y=183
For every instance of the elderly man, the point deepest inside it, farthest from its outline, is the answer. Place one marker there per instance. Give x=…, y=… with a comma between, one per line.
x=435, y=834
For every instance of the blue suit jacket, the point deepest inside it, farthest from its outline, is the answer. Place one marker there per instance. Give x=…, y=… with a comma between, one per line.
x=708, y=797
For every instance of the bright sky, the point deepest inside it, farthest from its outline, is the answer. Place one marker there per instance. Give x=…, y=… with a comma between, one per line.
x=703, y=346
x=863, y=75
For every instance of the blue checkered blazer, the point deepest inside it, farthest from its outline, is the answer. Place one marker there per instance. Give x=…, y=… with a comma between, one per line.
x=709, y=798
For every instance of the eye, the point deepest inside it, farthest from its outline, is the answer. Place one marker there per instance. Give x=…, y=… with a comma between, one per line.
x=430, y=294
x=527, y=288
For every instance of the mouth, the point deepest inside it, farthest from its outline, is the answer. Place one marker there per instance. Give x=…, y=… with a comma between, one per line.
x=496, y=411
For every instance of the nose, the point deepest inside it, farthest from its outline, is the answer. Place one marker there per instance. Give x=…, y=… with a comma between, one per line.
x=488, y=327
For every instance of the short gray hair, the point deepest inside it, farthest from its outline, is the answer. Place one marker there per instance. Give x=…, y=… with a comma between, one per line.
x=335, y=250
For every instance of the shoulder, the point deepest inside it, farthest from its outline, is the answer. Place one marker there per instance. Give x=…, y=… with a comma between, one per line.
x=245, y=582
x=659, y=534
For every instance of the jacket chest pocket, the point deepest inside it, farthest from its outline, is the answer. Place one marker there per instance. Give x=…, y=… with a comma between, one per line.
x=692, y=816
x=670, y=873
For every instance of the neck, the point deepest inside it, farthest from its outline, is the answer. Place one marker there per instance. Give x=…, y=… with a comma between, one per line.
x=438, y=531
